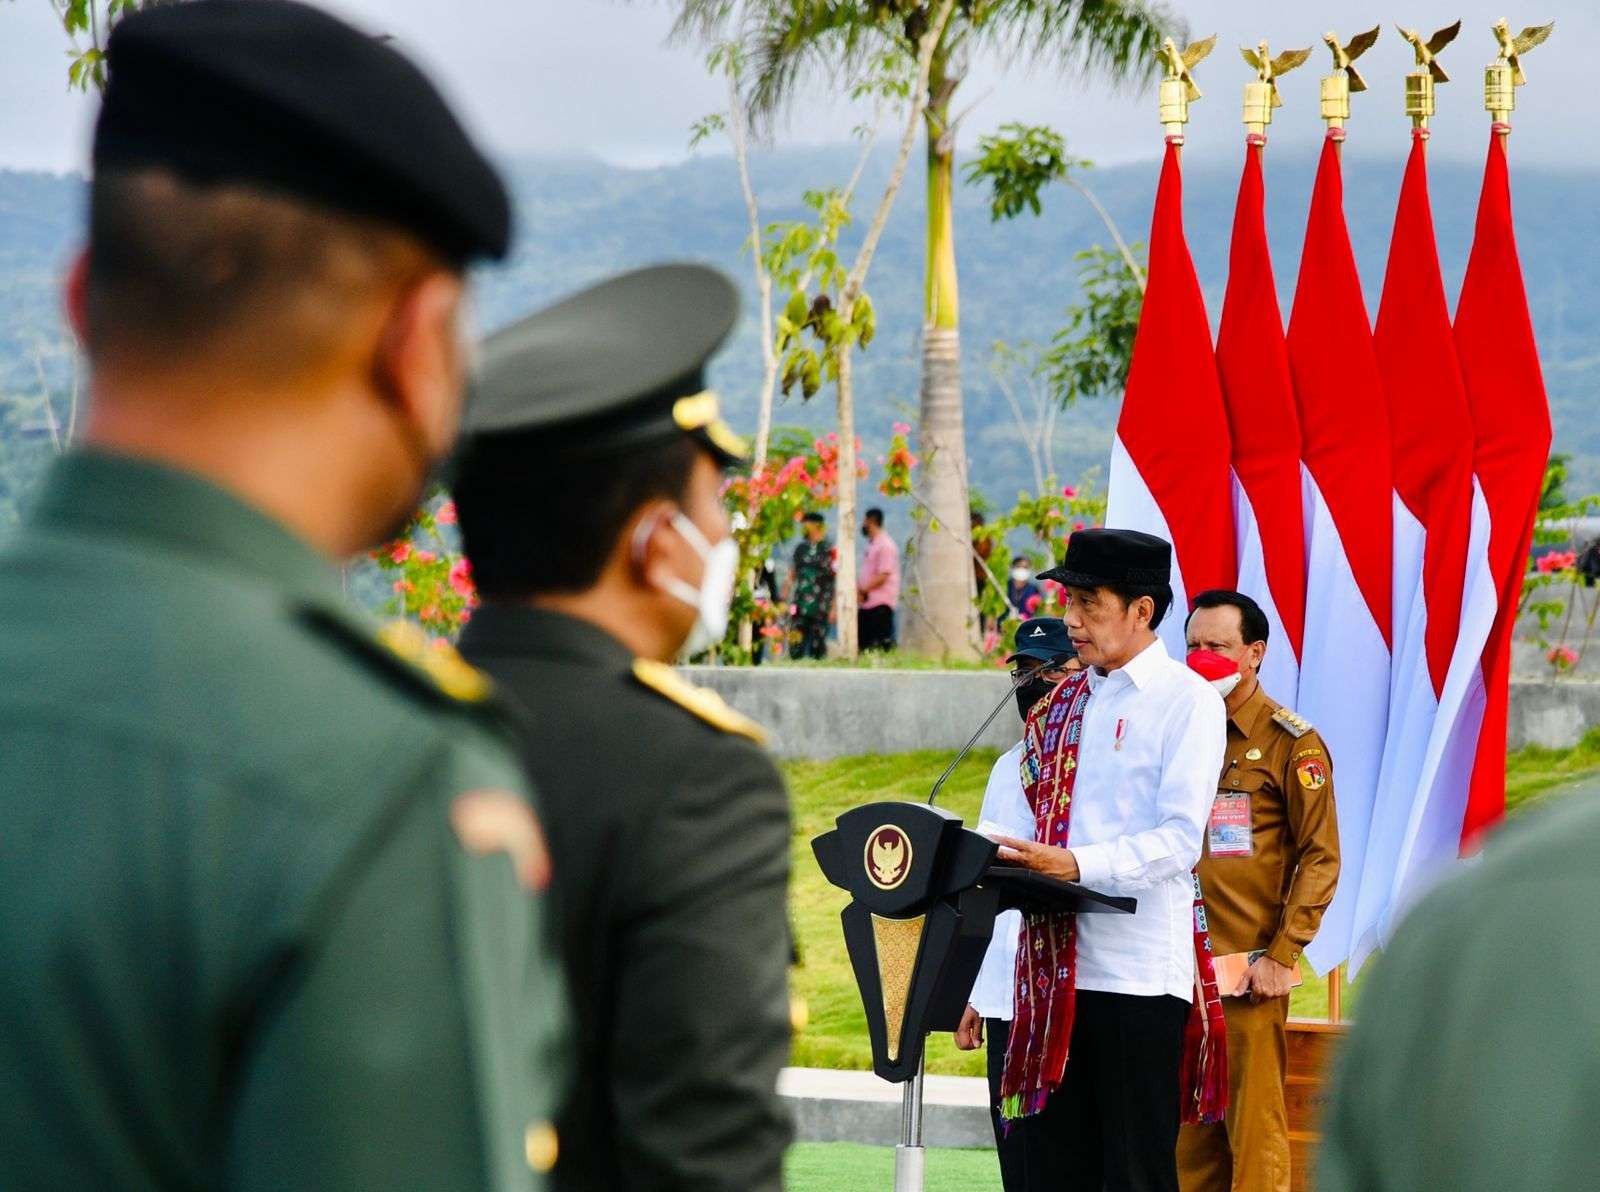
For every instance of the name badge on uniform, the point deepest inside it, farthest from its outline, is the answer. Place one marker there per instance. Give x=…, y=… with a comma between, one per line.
x=1229, y=834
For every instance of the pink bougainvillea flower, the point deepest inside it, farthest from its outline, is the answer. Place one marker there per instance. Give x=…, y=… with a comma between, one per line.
x=400, y=553
x=1077, y=525
x=1562, y=657
x=1032, y=605
x=1069, y=492
x=447, y=514
x=1558, y=561
x=461, y=576
x=466, y=614
x=902, y=428
x=404, y=585
x=428, y=612
x=424, y=556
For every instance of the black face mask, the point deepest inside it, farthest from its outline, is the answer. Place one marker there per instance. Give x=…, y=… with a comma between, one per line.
x=1031, y=693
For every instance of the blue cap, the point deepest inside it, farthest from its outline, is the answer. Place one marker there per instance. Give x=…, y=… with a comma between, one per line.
x=1046, y=639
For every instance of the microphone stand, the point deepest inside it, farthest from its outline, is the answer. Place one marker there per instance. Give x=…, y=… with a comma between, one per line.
x=1009, y=696
x=909, y=1156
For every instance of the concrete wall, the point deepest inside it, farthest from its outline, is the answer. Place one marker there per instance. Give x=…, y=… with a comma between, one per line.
x=822, y=712
x=1554, y=713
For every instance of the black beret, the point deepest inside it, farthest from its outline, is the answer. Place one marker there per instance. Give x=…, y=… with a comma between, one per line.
x=1098, y=557
x=619, y=365
x=1044, y=638
x=280, y=95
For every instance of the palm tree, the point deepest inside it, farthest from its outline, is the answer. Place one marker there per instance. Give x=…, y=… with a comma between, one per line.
x=788, y=42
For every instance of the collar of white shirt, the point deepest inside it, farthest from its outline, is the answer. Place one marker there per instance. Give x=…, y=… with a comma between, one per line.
x=1138, y=670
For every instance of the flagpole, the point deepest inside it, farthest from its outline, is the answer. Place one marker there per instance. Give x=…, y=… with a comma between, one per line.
x=1504, y=75
x=1178, y=88
x=1335, y=98
x=1336, y=87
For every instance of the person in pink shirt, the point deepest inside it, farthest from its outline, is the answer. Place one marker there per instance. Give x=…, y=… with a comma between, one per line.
x=879, y=585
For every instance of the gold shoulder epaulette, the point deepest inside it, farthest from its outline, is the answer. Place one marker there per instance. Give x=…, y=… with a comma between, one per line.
x=704, y=703
x=1292, y=723
x=437, y=659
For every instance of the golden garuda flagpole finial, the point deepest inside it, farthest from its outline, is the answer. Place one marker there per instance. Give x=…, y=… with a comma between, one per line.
x=1336, y=87
x=1261, y=94
x=1504, y=75
x=1419, y=83
x=1178, y=89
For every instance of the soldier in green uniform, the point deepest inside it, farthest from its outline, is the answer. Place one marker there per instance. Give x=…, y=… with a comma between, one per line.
x=271, y=887
x=589, y=497
x=811, y=587
x=1472, y=1063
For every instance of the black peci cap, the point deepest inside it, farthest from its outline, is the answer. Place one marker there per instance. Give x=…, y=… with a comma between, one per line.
x=619, y=365
x=1097, y=557
x=282, y=96
x=1044, y=638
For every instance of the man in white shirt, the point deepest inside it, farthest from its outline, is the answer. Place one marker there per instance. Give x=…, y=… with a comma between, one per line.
x=1151, y=745
x=1044, y=658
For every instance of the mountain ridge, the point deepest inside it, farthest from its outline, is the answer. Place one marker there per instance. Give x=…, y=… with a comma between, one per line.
x=581, y=219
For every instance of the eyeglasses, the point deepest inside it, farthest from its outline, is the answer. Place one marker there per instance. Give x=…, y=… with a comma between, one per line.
x=1049, y=673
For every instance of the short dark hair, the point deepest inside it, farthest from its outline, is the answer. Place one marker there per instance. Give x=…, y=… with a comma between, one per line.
x=1015, y=559
x=1253, y=625
x=814, y=518
x=1161, y=594
x=874, y=515
x=180, y=270
x=534, y=522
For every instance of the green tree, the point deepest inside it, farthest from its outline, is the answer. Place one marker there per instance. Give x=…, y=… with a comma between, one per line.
x=88, y=25
x=1091, y=354
x=789, y=42
x=828, y=314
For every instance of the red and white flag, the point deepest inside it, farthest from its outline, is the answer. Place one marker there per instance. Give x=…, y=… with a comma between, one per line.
x=1511, y=423
x=1348, y=519
x=1264, y=427
x=1170, y=459
x=1431, y=442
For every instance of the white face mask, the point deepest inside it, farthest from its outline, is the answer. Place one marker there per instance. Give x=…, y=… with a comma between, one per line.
x=713, y=598
x=1226, y=684
x=1020, y=574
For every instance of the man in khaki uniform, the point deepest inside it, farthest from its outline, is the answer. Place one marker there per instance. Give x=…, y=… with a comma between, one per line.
x=1269, y=869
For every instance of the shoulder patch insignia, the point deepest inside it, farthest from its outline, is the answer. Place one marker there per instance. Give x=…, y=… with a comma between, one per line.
x=1312, y=773
x=437, y=659
x=1291, y=722
x=497, y=821
x=704, y=703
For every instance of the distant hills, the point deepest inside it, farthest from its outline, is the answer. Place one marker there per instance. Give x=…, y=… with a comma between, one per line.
x=582, y=219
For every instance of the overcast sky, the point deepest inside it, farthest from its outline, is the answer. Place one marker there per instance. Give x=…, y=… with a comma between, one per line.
x=596, y=77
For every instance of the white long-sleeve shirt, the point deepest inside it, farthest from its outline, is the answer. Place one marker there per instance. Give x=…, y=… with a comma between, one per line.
x=1006, y=807
x=1153, y=739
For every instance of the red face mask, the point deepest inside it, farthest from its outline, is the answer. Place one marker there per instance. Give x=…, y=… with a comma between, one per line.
x=1221, y=672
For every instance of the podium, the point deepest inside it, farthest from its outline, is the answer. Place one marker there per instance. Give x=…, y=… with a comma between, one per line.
x=924, y=893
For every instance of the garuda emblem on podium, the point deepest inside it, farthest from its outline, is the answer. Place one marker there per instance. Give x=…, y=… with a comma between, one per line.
x=888, y=857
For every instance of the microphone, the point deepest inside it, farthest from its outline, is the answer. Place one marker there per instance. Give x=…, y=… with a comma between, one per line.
x=1008, y=698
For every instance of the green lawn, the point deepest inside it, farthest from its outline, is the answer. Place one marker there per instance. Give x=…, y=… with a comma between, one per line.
x=836, y=1034
x=837, y=1166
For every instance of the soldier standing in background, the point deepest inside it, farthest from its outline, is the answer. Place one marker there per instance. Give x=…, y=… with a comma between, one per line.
x=670, y=821
x=1269, y=870
x=811, y=587
x=272, y=912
